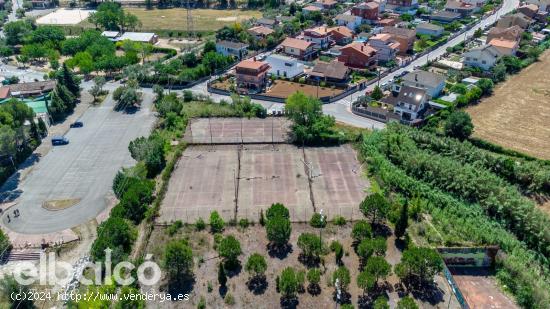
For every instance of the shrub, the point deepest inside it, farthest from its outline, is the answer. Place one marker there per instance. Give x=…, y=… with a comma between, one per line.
x=216, y=222
x=339, y=220
x=230, y=249
x=318, y=221
x=229, y=299
x=243, y=223
x=361, y=230
x=174, y=227
x=200, y=224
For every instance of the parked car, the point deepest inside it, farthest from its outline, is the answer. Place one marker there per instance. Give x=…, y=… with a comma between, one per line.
x=59, y=140
x=77, y=124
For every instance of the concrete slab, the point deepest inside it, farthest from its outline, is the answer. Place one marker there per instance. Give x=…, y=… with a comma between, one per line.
x=337, y=182
x=204, y=180
x=237, y=130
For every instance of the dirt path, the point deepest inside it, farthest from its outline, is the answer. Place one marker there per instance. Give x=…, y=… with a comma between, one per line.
x=518, y=113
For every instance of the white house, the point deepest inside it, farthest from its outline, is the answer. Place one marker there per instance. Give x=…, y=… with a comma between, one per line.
x=477, y=3
x=408, y=102
x=284, y=66
x=483, y=57
x=143, y=37
x=350, y=21
x=386, y=48
x=433, y=83
x=235, y=49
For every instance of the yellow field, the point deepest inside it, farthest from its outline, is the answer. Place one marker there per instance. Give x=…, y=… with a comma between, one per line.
x=203, y=19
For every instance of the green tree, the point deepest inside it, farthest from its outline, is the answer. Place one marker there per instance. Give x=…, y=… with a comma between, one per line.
x=377, y=93
x=16, y=31
x=116, y=234
x=126, y=97
x=69, y=80
x=381, y=303
x=406, y=303
x=277, y=210
x=9, y=287
x=375, y=206
x=278, y=230
x=361, y=230
x=97, y=88
x=150, y=151
x=216, y=222
x=256, y=265
x=230, y=249
x=288, y=282
x=338, y=250
x=178, y=260
x=499, y=72
x=378, y=268
x=365, y=281
x=342, y=275
x=419, y=264
x=126, y=301
x=486, y=85
x=318, y=221
x=311, y=245
x=314, y=277
x=403, y=221
x=459, y=125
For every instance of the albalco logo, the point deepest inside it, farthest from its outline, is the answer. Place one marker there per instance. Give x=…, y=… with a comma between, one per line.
x=49, y=271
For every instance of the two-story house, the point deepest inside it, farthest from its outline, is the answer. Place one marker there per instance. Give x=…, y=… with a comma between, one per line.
x=483, y=57
x=229, y=48
x=517, y=19
x=409, y=102
x=433, y=83
x=511, y=33
x=368, y=11
x=251, y=75
x=260, y=32
x=430, y=29
x=298, y=48
x=319, y=36
x=405, y=37
x=325, y=4
x=358, y=55
x=462, y=8
x=341, y=35
x=350, y=21
x=386, y=48
x=505, y=47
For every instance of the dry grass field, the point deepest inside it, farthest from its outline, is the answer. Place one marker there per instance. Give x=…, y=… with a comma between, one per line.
x=517, y=115
x=203, y=19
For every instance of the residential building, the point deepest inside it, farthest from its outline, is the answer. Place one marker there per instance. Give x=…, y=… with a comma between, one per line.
x=511, y=33
x=111, y=35
x=381, y=5
x=32, y=88
x=389, y=22
x=462, y=8
x=283, y=66
x=476, y=3
x=251, y=75
x=544, y=5
x=357, y=55
x=311, y=9
x=334, y=72
x=529, y=10
x=341, y=35
x=267, y=22
x=409, y=103
x=350, y=21
x=517, y=19
x=142, y=37
x=42, y=4
x=320, y=36
x=429, y=29
x=260, y=32
x=298, y=48
x=325, y=4
x=445, y=17
x=367, y=10
x=229, y=48
x=505, y=47
x=433, y=83
x=483, y=57
x=405, y=37
x=386, y=48
x=402, y=3
x=5, y=92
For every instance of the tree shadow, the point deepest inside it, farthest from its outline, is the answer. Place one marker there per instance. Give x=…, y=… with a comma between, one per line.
x=279, y=251
x=183, y=285
x=257, y=285
x=289, y=302
x=222, y=290
x=309, y=261
x=380, y=229
x=345, y=297
x=400, y=244
x=314, y=289
x=232, y=269
x=427, y=292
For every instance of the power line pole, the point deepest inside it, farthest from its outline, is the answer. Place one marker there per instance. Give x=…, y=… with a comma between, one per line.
x=189, y=18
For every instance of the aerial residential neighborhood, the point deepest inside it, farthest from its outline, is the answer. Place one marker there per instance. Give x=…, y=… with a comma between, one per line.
x=275, y=154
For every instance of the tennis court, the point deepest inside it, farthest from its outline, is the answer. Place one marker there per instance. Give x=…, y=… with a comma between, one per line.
x=237, y=130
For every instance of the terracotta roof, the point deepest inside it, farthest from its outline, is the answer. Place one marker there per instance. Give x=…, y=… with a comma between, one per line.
x=252, y=64
x=503, y=43
x=363, y=48
x=381, y=36
x=296, y=43
x=344, y=31
x=261, y=30
x=368, y=5
x=33, y=87
x=327, y=2
x=452, y=4
x=4, y=92
x=312, y=8
x=323, y=30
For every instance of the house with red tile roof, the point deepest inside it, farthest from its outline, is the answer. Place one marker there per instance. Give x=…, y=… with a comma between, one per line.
x=358, y=55
x=505, y=47
x=298, y=48
x=341, y=35
x=251, y=75
x=320, y=36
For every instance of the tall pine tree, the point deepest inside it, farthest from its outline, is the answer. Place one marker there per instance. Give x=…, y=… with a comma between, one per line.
x=67, y=78
x=403, y=221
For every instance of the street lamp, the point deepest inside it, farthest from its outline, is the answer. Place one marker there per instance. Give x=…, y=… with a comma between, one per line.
x=323, y=218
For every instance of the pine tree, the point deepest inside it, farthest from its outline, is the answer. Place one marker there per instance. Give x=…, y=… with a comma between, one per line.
x=56, y=107
x=67, y=78
x=402, y=222
x=42, y=128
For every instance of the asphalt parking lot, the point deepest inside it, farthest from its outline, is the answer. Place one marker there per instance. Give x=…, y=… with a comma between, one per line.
x=82, y=170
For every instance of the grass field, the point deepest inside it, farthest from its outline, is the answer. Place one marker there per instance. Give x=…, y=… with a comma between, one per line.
x=517, y=115
x=203, y=19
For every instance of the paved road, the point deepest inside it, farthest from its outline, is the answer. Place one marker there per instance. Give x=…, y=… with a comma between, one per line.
x=82, y=170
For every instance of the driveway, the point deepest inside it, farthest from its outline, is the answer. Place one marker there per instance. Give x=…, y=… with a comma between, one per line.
x=83, y=170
